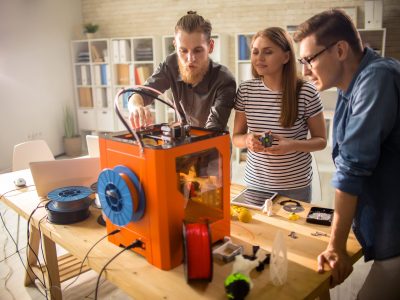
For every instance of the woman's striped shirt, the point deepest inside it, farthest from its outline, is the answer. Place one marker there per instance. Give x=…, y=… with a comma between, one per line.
x=262, y=108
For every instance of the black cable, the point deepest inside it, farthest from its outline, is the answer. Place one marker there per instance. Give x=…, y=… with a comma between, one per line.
x=10, y=255
x=19, y=254
x=33, y=251
x=135, y=244
x=87, y=254
x=21, y=188
x=284, y=202
x=142, y=92
x=43, y=256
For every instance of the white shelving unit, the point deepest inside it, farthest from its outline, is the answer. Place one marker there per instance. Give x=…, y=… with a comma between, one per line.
x=92, y=81
x=242, y=73
x=242, y=57
x=101, y=68
x=133, y=60
x=219, y=55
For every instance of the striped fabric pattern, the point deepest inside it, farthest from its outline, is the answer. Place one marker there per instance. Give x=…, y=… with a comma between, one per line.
x=262, y=108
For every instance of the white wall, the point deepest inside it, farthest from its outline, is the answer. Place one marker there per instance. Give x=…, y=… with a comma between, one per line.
x=35, y=71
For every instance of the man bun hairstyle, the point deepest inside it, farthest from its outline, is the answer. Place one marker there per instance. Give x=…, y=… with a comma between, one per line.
x=192, y=22
x=330, y=26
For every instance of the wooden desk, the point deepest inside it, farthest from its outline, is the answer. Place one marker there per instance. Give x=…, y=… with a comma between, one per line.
x=133, y=274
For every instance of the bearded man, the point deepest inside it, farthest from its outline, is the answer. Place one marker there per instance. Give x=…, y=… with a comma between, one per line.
x=203, y=91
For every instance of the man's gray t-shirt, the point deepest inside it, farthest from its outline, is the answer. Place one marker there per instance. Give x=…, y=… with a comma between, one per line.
x=208, y=104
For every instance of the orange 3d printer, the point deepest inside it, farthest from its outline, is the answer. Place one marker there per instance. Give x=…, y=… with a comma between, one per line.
x=157, y=179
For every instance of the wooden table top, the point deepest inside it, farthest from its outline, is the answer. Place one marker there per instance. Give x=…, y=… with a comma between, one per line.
x=133, y=274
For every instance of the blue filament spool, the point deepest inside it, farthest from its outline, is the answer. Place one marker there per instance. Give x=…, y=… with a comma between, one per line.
x=117, y=198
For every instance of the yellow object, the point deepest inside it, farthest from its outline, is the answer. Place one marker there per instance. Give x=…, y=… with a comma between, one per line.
x=245, y=216
x=234, y=213
x=293, y=217
x=242, y=213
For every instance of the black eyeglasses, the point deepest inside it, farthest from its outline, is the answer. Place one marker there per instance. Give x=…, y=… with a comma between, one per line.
x=307, y=60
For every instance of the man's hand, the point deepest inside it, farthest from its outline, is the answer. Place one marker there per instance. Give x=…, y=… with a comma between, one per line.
x=339, y=263
x=139, y=115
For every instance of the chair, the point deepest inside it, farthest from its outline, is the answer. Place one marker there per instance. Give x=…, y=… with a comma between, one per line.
x=92, y=142
x=23, y=154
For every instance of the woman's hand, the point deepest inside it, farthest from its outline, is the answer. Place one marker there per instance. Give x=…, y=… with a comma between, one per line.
x=253, y=144
x=280, y=145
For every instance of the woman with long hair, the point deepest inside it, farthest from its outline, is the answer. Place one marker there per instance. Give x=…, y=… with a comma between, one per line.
x=278, y=102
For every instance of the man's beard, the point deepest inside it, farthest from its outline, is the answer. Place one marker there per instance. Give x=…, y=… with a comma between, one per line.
x=190, y=76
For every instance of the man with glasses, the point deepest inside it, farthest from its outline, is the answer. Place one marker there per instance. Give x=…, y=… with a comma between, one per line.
x=203, y=91
x=366, y=148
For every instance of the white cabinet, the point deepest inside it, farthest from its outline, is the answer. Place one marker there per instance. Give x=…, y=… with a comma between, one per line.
x=101, y=68
x=86, y=119
x=92, y=79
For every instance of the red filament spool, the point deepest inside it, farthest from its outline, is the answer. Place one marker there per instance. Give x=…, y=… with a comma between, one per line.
x=198, y=255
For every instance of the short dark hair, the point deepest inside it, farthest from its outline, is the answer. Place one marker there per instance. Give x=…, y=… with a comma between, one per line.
x=330, y=26
x=192, y=22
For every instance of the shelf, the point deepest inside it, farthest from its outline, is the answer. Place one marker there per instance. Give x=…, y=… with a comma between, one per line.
x=101, y=68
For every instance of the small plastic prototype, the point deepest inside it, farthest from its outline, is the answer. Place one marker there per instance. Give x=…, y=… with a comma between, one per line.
x=227, y=251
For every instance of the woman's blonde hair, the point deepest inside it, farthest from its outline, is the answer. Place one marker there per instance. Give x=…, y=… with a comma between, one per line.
x=291, y=82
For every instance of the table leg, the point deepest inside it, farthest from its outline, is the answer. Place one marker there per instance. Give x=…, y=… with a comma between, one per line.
x=31, y=255
x=50, y=252
x=325, y=295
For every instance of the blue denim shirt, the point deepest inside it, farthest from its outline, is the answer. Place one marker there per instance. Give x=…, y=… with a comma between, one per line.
x=366, y=139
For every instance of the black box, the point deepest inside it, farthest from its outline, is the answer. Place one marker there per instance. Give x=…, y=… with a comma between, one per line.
x=320, y=215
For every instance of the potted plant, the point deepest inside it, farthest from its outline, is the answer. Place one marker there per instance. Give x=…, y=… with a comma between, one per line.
x=72, y=140
x=90, y=29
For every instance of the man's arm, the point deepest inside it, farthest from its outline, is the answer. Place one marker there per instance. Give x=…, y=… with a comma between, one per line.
x=335, y=255
x=139, y=115
x=222, y=107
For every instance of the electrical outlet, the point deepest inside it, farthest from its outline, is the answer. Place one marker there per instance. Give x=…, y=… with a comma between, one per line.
x=34, y=135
